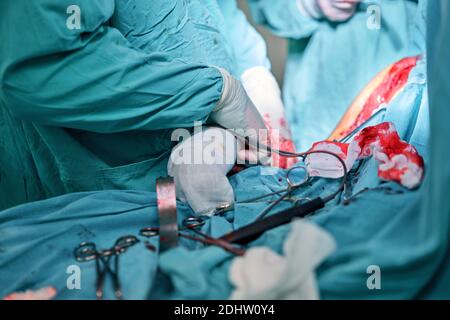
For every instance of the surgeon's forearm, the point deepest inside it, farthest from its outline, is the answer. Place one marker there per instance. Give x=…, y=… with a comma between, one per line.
x=108, y=86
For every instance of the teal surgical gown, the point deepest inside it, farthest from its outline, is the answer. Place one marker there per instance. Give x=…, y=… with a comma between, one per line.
x=392, y=228
x=330, y=63
x=93, y=108
x=436, y=204
x=404, y=232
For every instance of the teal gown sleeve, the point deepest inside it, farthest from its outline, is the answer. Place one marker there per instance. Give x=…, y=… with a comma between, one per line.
x=248, y=46
x=436, y=204
x=283, y=18
x=92, y=78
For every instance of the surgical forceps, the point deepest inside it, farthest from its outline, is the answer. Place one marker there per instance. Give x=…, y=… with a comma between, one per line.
x=253, y=230
x=292, y=186
x=362, y=125
x=193, y=224
x=345, y=183
x=262, y=224
x=87, y=251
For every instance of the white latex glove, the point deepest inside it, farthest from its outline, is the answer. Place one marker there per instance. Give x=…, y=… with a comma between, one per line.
x=263, y=90
x=333, y=10
x=200, y=165
x=236, y=111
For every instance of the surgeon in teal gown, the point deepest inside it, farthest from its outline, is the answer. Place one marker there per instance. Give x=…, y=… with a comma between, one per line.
x=406, y=232
x=93, y=108
x=330, y=62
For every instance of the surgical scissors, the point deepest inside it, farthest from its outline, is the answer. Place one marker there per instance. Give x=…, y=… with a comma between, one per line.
x=303, y=155
x=287, y=192
x=87, y=251
x=193, y=224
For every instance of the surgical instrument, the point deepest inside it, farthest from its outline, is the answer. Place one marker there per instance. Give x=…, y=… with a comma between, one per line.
x=302, y=155
x=291, y=187
x=188, y=224
x=193, y=224
x=252, y=231
x=361, y=126
x=262, y=224
x=87, y=251
x=167, y=212
x=387, y=191
x=287, y=191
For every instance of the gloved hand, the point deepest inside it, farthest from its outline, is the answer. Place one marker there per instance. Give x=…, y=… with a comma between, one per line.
x=199, y=166
x=265, y=93
x=236, y=111
x=333, y=10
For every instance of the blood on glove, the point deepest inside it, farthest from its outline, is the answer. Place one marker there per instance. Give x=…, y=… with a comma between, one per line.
x=262, y=88
x=280, y=140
